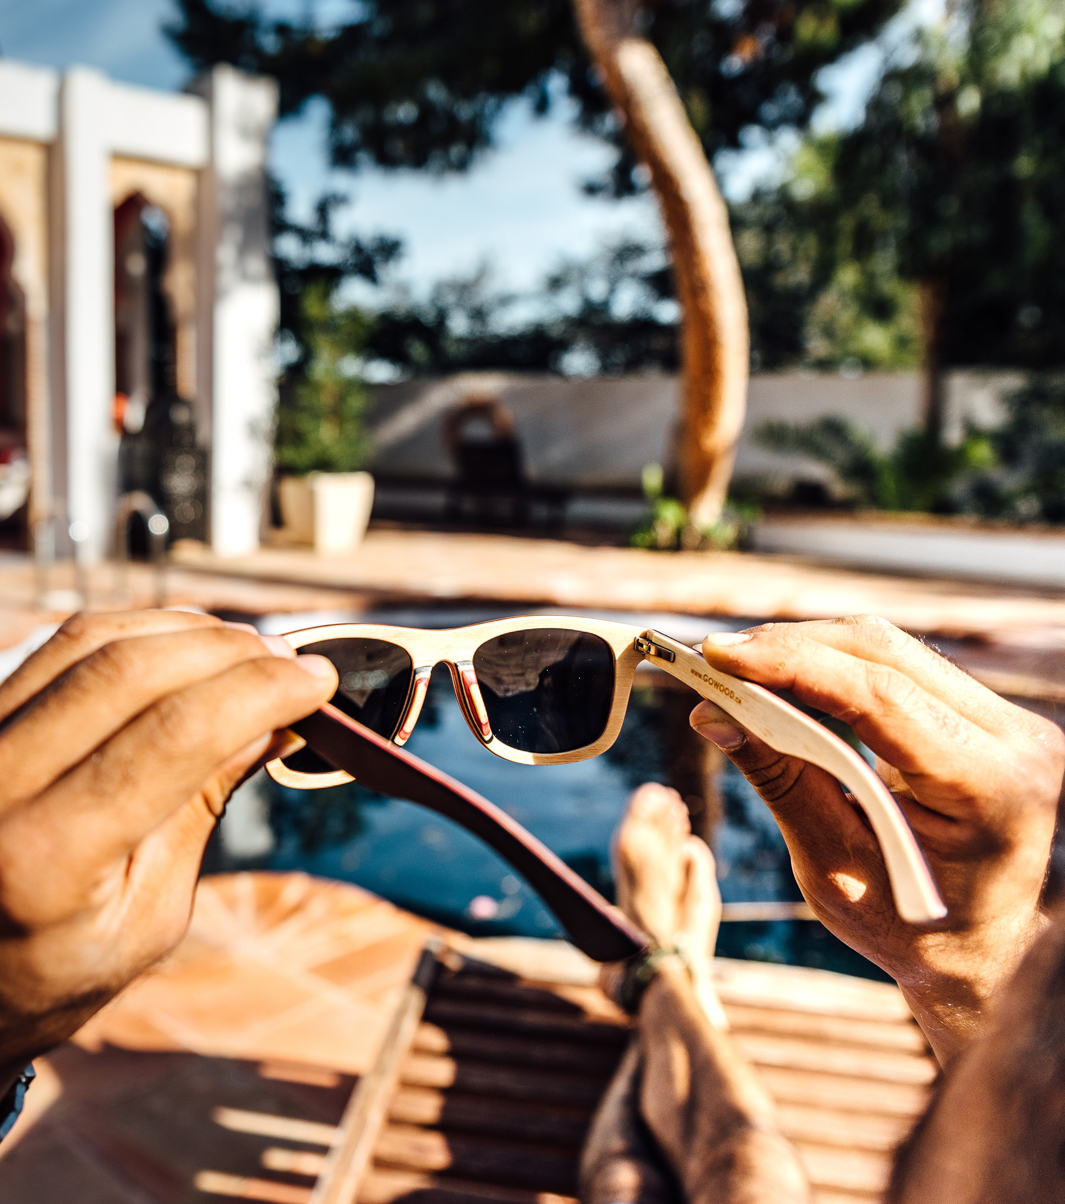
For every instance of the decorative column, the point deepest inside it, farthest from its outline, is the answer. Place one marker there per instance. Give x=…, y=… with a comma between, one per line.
x=238, y=306
x=87, y=310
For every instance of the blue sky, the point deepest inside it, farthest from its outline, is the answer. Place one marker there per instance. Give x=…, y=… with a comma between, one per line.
x=520, y=210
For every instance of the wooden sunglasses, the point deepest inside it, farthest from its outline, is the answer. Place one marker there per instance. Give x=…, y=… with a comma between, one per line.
x=553, y=689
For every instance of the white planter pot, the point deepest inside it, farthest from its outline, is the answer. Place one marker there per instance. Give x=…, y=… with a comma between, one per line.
x=328, y=510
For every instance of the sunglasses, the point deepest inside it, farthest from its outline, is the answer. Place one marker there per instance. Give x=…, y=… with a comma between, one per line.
x=548, y=690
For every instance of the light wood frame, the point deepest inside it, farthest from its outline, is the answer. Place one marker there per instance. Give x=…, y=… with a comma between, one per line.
x=782, y=726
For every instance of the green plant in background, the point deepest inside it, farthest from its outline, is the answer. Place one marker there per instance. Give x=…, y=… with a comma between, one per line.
x=321, y=418
x=918, y=474
x=1028, y=482
x=668, y=528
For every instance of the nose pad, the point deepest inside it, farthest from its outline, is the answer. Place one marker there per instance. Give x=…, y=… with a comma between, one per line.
x=417, y=700
x=472, y=703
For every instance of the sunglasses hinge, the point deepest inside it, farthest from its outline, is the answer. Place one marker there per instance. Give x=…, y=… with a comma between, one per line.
x=648, y=648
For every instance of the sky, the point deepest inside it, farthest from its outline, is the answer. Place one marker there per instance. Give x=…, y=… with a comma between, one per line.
x=520, y=210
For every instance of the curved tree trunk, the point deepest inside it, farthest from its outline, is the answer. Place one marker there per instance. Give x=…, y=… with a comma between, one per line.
x=716, y=342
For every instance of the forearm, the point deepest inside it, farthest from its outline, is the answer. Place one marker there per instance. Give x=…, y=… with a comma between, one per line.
x=709, y=1113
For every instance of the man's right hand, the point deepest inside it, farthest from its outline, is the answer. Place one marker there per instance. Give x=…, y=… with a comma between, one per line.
x=120, y=742
x=977, y=777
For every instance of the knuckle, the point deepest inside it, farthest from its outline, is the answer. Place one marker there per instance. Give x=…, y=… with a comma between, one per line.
x=113, y=662
x=178, y=720
x=81, y=630
x=775, y=776
x=886, y=686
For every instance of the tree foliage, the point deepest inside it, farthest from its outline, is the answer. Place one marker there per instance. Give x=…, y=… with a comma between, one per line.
x=603, y=315
x=956, y=177
x=421, y=83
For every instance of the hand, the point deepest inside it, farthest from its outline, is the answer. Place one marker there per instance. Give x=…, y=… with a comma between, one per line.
x=120, y=742
x=977, y=777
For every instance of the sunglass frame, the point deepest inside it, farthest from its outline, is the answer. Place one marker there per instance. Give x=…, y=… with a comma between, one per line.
x=455, y=648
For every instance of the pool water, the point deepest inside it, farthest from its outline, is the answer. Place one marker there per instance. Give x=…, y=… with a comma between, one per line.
x=429, y=865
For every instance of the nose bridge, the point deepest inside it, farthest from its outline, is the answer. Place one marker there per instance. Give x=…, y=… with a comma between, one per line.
x=419, y=688
x=468, y=690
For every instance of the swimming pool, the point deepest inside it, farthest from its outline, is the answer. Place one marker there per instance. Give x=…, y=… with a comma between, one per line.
x=429, y=865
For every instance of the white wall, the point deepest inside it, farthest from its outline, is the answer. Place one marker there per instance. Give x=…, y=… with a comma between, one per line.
x=598, y=434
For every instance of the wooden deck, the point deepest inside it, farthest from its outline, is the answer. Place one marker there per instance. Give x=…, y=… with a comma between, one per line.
x=224, y=1074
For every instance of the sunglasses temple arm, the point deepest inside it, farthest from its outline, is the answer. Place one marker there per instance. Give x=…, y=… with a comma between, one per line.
x=594, y=926
x=787, y=730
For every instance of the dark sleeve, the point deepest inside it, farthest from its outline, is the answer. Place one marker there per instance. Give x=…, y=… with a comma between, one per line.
x=11, y=1104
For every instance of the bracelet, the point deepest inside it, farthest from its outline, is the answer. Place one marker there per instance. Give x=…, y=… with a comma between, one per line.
x=639, y=971
x=11, y=1104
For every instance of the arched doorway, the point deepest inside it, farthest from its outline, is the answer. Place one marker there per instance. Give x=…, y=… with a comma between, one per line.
x=158, y=453
x=14, y=463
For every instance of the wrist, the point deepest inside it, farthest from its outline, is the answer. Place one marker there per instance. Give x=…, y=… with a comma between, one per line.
x=953, y=991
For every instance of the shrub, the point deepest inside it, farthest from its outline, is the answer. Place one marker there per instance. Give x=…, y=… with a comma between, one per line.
x=669, y=529
x=320, y=421
x=918, y=473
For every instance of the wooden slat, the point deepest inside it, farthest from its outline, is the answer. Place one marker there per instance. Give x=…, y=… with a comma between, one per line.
x=830, y=1126
x=219, y=1183
x=516, y=1050
x=836, y=1029
x=838, y=1091
x=581, y=1002
x=759, y=984
x=383, y=1186
x=366, y=1111
x=504, y=1082
x=460, y=1113
x=797, y=1054
x=531, y=1021
x=515, y=1164
x=829, y=1195
x=850, y=1170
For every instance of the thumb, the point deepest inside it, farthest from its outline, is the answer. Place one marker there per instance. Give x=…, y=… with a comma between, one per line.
x=825, y=835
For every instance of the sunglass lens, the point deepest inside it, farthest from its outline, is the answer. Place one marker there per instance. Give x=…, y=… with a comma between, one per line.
x=375, y=678
x=547, y=690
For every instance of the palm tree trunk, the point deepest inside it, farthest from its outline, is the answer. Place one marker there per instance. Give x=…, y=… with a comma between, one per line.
x=715, y=339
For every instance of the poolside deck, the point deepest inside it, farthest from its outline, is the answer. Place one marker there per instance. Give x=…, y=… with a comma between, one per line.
x=442, y=566
x=223, y=1074
x=417, y=566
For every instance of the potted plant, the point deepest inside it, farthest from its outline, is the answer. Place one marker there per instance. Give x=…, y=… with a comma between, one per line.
x=321, y=441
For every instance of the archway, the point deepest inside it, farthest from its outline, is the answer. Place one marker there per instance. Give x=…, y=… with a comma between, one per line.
x=158, y=454
x=14, y=463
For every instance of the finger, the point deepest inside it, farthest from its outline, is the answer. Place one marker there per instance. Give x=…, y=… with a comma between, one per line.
x=874, y=639
x=834, y=854
x=107, y=804
x=82, y=635
x=163, y=869
x=925, y=739
x=102, y=692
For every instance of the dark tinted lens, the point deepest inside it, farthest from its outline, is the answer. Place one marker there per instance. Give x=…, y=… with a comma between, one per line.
x=546, y=691
x=375, y=678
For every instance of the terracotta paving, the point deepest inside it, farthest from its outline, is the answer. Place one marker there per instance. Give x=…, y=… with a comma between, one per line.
x=277, y=998
x=432, y=566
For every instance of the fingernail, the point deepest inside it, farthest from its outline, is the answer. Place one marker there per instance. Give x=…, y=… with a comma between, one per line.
x=724, y=638
x=278, y=645
x=724, y=735
x=317, y=666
